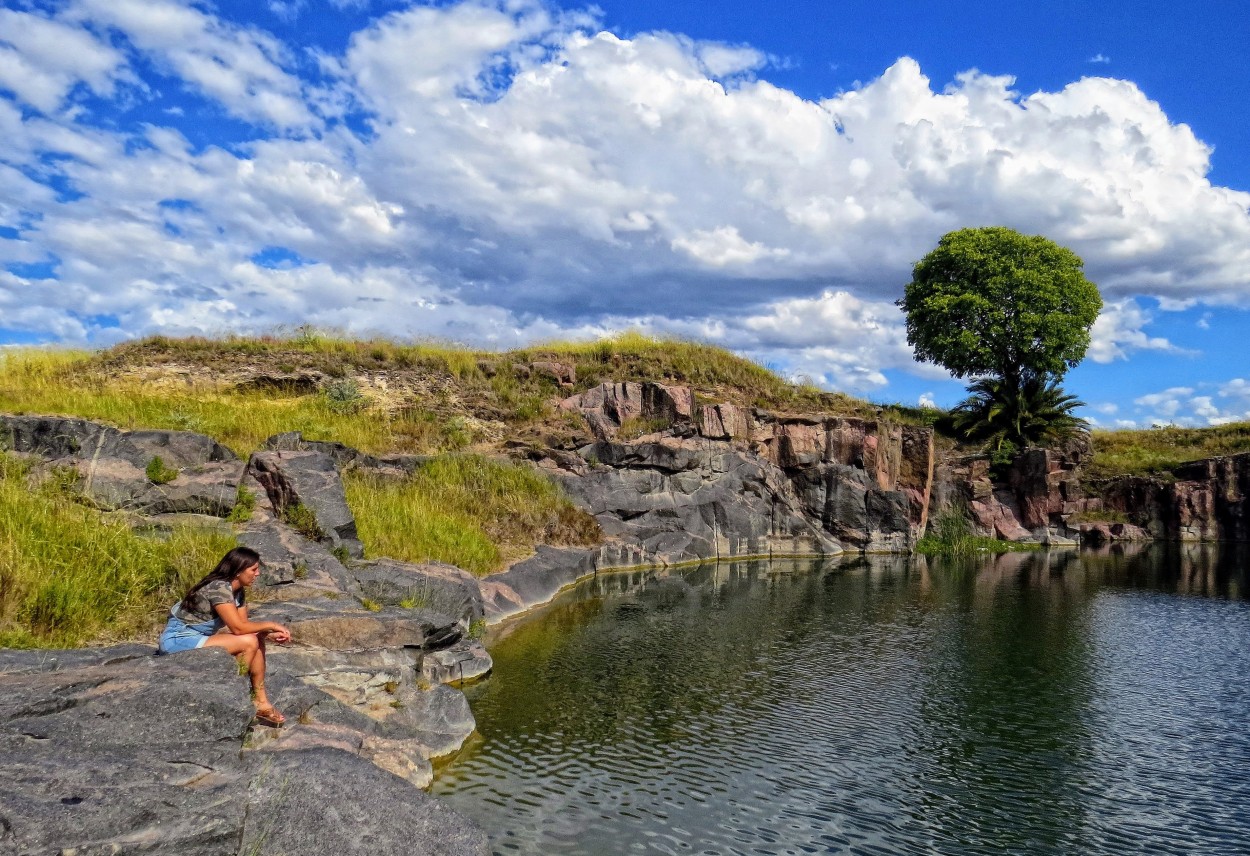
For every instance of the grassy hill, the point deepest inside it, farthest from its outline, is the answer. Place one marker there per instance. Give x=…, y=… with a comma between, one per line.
x=376, y=395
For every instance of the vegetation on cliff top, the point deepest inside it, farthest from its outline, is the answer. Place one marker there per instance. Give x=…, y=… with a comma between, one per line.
x=1158, y=450
x=422, y=398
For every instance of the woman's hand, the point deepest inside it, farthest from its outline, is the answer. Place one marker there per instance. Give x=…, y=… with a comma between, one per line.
x=280, y=634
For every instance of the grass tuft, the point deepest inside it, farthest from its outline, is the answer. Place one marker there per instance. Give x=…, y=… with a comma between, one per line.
x=950, y=535
x=158, y=473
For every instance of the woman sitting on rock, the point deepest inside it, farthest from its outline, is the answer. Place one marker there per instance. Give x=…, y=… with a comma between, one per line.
x=214, y=614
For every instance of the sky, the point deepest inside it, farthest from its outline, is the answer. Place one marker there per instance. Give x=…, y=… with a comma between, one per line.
x=760, y=176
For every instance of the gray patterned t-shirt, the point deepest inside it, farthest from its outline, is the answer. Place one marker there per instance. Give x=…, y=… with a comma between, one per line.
x=203, y=601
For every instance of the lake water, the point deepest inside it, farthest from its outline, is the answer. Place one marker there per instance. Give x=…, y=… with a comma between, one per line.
x=1028, y=703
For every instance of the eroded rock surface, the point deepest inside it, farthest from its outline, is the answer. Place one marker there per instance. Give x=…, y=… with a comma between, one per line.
x=309, y=481
x=141, y=754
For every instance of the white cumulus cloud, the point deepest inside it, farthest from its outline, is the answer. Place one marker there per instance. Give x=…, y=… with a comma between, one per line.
x=487, y=170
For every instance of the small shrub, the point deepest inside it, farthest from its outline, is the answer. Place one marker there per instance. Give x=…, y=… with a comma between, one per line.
x=340, y=552
x=302, y=519
x=343, y=396
x=390, y=687
x=300, y=571
x=634, y=428
x=370, y=604
x=244, y=505
x=158, y=473
x=477, y=628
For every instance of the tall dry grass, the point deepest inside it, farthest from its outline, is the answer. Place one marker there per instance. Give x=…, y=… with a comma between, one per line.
x=467, y=510
x=68, y=383
x=69, y=576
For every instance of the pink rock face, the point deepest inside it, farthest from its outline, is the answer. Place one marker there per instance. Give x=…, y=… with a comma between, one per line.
x=724, y=422
x=1195, y=511
x=1209, y=501
x=915, y=474
x=992, y=516
x=799, y=445
x=675, y=402
x=610, y=405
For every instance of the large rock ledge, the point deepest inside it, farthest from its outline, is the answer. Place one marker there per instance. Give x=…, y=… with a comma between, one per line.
x=115, y=750
x=122, y=752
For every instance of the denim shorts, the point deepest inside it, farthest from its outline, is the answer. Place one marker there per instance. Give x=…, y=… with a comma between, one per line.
x=180, y=636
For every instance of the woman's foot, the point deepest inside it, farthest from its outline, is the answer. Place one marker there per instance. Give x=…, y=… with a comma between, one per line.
x=267, y=714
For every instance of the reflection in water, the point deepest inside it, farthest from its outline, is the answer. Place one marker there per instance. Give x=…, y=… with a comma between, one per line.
x=1026, y=703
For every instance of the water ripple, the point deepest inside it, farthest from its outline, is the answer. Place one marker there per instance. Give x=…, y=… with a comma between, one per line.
x=889, y=708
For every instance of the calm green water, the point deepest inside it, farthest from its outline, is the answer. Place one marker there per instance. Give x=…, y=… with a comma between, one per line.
x=1029, y=703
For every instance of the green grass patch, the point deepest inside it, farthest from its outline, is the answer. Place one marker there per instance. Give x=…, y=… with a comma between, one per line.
x=77, y=383
x=69, y=576
x=1157, y=450
x=158, y=473
x=466, y=510
x=951, y=535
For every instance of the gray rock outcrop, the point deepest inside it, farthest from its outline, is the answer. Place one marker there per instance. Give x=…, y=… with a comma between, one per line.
x=309, y=481
x=110, y=465
x=141, y=754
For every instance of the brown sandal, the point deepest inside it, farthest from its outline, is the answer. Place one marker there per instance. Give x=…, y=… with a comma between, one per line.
x=269, y=715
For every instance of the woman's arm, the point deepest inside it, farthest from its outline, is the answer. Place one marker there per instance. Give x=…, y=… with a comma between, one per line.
x=237, y=621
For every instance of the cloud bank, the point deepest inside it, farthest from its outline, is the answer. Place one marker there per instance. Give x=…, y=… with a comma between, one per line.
x=495, y=172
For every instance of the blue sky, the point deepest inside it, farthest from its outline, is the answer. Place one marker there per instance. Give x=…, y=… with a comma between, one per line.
x=760, y=176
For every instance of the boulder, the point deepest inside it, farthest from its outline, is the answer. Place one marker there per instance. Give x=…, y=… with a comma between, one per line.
x=564, y=374
x=116, y=484
x=293, y=566
x=110, y=464
x=141, y=754
x=464, y=661
x=344, y=456
x=309, y=480
x=338, y=622
x=434, y=586
x=57, y=438
x=181, y=449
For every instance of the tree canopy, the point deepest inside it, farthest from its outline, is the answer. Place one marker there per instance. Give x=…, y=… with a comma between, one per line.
x=993, y=302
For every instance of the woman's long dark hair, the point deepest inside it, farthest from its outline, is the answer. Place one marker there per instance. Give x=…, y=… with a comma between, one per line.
x=231, y=565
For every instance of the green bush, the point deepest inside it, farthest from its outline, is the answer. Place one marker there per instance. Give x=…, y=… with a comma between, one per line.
x=158, y=473
x=343, y=396
x=302, y=519
x=244, y=505
x=951, y=534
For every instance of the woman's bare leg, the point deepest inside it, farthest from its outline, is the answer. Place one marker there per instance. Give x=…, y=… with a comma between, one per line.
x=249, y=648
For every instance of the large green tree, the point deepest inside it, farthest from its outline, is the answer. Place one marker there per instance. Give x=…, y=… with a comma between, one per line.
x=993, y=302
